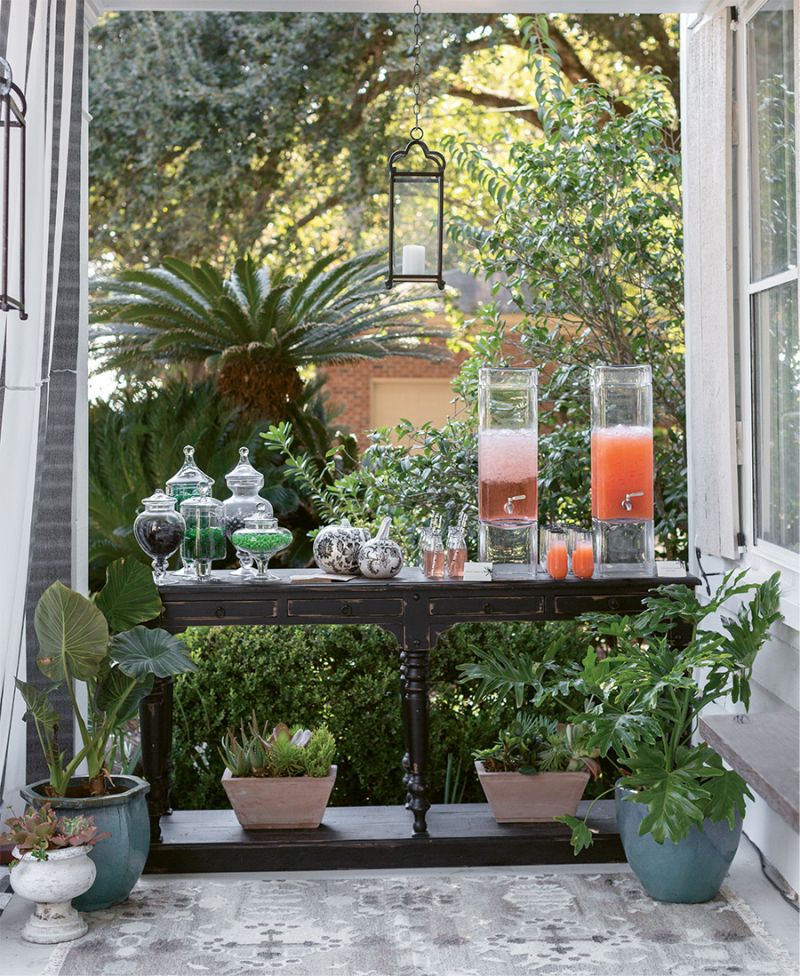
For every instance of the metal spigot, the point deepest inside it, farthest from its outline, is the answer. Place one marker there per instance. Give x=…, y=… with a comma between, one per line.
x=509, y=505
x=627, y=504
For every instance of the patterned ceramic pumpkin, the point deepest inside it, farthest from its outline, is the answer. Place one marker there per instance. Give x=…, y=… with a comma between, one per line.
x=380, y=558
x=336, y=548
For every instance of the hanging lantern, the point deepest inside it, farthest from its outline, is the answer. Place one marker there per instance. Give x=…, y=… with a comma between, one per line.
x=12, y=153
x=416, y=200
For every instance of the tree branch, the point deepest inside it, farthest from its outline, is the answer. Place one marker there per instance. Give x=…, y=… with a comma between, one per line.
x=490, y=99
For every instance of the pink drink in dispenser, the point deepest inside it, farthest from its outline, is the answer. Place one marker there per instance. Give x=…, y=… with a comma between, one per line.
x=508, y=466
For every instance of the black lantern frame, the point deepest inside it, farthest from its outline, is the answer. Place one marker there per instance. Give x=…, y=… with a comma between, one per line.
x=13, y=109
x=433, y=173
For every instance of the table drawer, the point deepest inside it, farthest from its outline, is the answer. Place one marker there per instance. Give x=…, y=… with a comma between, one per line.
x=574, y=606
x=357, y=609
x=502, y=607
x=201, y=613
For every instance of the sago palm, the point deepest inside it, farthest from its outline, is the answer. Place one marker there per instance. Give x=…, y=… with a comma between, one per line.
x=254, y=329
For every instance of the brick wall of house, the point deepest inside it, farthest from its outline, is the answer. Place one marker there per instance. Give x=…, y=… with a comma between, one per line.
x=349, y=387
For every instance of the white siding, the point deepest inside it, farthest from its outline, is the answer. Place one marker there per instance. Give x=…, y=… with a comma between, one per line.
x=716, y=383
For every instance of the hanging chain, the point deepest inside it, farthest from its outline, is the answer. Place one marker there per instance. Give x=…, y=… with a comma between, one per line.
x=416, y=132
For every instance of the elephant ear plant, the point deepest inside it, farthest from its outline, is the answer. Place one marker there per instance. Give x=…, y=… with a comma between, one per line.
x=100, y=642
x=644, y=700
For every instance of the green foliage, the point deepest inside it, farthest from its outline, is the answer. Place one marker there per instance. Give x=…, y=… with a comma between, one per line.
x=644, y=699
x=268, y=132
x=534, y=744
x=136, y=442
x=336, y=674
x=508, y=671
x=431, y=469
x=588, y=240
x=75, y=645
x=38, y=831
x=253, y=330
x=281, y=752
x=128, y=596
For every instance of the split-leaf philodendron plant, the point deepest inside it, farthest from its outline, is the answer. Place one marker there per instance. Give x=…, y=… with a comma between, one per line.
x=100, y=642
x=644, y=700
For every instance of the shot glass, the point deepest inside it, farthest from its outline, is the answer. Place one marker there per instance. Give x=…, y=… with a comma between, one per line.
x=581, y=550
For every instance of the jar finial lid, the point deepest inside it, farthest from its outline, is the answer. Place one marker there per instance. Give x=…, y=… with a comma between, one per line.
x=159, y=501
x=244, y=475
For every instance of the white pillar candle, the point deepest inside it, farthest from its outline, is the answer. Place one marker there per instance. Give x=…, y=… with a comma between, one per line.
x=413, y=259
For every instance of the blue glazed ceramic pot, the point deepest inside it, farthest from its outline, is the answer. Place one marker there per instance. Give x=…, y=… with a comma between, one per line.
x=120, y=858
x=688, y=872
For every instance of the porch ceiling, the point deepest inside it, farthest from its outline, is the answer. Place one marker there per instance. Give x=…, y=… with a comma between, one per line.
x=429, y=6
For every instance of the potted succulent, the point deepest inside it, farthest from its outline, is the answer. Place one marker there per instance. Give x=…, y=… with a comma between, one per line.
x=51, y=866
x=679, y=809
x=280, y=778
x=100, y=642
x=536, y=770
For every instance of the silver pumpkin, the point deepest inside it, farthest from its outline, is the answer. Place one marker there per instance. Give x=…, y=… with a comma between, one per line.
x=336, y=548
x=381, y=558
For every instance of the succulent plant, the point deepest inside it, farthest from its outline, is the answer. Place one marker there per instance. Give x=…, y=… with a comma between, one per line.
x=533, y=744
x=38, y=831
x=257, y=751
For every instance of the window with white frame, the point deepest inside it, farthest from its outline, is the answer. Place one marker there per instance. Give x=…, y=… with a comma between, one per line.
x=773, y=289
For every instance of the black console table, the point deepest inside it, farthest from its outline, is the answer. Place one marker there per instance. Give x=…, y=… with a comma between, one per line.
x=414, y=609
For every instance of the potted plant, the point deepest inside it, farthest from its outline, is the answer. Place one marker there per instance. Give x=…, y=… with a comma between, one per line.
x=278, y=779
x=51, y=866
x=536, y=770
x=679, y=809
x=99, y=642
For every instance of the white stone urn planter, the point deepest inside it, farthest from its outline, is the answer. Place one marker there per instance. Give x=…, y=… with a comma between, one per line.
x=52, y=884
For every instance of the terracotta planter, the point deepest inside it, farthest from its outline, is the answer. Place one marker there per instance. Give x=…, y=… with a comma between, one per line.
x=520, y=798
x=279, y=802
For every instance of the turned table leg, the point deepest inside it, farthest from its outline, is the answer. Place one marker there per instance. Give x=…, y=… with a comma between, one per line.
x=415, y=718
x=155, y=718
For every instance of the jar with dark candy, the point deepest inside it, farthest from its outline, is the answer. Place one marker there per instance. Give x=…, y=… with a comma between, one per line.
x=159, y=530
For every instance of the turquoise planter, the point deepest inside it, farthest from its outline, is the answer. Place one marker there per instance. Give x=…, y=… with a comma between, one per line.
x=120, y=858
x=688, y=872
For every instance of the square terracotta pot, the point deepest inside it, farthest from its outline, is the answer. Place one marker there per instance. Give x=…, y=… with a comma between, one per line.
x=520, y=798
x=279, y=802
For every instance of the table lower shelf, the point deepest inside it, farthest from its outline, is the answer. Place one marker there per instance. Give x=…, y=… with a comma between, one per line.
x=460, y=835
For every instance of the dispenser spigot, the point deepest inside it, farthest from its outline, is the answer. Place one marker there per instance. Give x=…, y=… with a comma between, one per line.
x=627, y=504
x=509, y=505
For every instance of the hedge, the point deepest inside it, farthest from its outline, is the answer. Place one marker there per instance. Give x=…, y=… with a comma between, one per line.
x=347, y=677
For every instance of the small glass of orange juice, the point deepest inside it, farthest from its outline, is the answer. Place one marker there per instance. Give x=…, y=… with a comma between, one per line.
x=555, y=556
x=581, y=550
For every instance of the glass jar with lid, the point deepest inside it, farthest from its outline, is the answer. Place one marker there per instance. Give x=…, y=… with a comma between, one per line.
x=261, y=538
x=185, y=483
x=245, y=483
x=159, y=531
x=204, y=538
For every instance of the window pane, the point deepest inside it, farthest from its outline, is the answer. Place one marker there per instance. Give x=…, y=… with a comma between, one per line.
x=772, y=136
x=777, y=424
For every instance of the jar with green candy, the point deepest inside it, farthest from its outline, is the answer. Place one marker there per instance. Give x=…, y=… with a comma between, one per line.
x=186, y=483
x=261, y=537
x=204, y=538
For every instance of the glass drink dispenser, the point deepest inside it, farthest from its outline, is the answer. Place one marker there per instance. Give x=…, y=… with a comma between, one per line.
x=508, y=466
x=622, y=470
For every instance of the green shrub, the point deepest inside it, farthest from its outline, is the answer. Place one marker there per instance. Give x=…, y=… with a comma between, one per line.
x=348, y=679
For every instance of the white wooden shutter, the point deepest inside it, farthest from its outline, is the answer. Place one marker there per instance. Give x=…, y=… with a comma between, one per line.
x=707, y=118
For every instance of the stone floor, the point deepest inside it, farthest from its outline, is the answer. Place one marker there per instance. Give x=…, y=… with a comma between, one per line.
x=747, y=880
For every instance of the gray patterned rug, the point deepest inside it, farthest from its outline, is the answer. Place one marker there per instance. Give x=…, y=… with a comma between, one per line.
x=466, y=924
